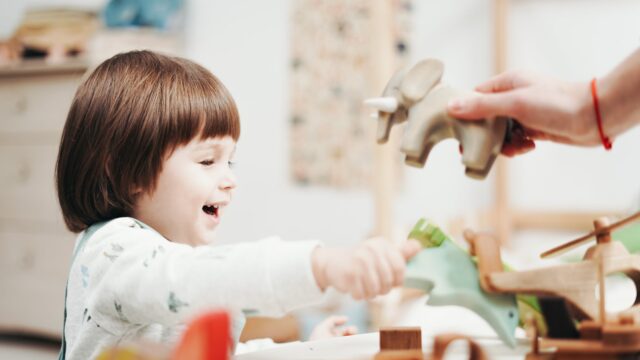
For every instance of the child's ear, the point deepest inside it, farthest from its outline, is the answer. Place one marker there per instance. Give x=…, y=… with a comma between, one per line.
x=136, y=191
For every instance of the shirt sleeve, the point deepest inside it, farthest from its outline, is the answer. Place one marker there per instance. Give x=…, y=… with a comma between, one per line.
x=140, y=277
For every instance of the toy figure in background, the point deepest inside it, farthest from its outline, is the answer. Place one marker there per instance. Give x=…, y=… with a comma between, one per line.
x=418, y=97
x=10, y=48
x=161, y=14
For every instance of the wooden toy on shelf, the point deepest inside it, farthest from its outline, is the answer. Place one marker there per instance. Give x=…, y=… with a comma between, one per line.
x=569, y=290
x=418, y=97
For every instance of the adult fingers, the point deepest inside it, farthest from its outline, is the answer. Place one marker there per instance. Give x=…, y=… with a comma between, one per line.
x=485, y=106
x=513, y=149
x=519, y=142
x=506, y=81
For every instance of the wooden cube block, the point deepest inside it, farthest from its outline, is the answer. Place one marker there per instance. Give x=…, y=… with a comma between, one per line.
x=401, y=338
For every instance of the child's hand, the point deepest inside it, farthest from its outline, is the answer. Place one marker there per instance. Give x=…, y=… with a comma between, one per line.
x=332, y=327
x=370, y=269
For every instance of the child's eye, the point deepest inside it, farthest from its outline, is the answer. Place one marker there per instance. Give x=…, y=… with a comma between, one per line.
x=207, y=162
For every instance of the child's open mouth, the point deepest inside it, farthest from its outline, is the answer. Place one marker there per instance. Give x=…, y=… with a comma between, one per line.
x=210, y=210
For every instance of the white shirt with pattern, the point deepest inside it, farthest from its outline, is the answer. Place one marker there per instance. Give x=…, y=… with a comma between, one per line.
x=127, y=282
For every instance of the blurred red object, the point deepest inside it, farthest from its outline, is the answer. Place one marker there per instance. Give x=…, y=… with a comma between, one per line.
x=208, y=337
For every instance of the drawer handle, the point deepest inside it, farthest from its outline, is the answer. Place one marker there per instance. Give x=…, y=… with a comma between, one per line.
x=24, y=172
x=22, y=104
x=28, y=260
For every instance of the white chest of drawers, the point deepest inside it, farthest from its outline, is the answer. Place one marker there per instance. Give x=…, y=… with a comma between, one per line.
x=35, y=247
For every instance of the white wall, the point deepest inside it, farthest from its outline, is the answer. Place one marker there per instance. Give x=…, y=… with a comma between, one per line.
x=459, y=34
x=246, y=44
x=573, y=40
x=576, y=40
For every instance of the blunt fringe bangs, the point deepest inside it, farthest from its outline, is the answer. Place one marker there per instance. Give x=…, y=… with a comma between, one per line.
x=128, y=115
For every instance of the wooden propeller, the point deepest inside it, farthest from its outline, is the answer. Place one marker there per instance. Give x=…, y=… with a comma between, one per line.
x=599, y=231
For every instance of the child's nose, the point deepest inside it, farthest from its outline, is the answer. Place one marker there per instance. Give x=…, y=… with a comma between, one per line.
x=228, y=181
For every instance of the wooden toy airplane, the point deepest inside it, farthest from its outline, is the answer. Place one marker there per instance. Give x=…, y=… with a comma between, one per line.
x=567, y=295
x=418, y=97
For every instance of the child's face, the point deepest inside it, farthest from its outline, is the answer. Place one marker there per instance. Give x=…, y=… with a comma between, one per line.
x=193, y=188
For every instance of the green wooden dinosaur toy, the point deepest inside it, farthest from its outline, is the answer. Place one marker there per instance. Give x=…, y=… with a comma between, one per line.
x=449, y=274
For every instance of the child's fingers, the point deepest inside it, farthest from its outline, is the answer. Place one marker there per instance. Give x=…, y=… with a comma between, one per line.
x=349, y=330
x=368, y=275
x=371, y=280
x=383, y=266
x=398, y=265
x=338, y=320
x=357, y=291
x=410, y=248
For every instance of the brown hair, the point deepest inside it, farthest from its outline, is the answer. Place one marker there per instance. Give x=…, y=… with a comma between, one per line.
x=127, y=116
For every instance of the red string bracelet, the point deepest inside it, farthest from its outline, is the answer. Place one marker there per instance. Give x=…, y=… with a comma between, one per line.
x=594, y=95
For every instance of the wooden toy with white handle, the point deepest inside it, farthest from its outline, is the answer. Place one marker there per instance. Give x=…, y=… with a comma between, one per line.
x=418, y=97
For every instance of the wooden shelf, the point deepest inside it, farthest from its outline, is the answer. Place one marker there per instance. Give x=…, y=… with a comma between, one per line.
x=40, y=67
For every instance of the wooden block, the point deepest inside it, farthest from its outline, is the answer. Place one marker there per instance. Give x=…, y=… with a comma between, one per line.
x=629, y=317
x=400, y=338
x=442, y=342
x=625, y=335
x=586, y=348
x=540, y=356
x=399, y=355
x=590, y=330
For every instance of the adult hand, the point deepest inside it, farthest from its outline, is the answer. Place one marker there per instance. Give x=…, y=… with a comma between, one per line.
x=547, y=109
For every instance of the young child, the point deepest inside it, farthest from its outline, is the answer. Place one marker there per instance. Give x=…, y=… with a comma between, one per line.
x=144, y=173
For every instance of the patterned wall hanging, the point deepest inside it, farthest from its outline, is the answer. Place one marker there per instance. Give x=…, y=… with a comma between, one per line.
x=332, y=136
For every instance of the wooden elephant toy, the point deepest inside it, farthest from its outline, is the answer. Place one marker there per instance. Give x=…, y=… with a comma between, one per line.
x=418, y=97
